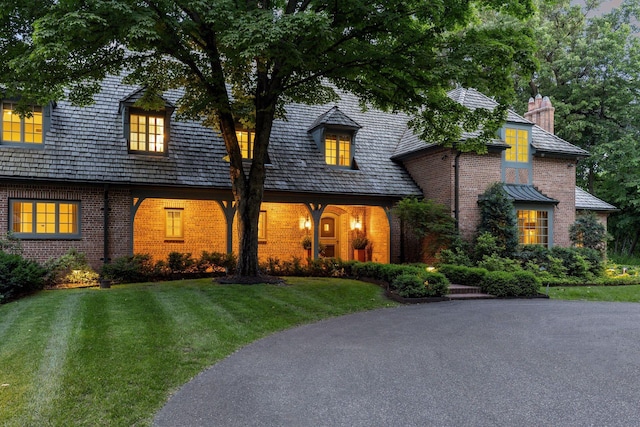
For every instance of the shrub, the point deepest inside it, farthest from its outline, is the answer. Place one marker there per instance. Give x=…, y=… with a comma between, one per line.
x=575, y=264
x=461, y=275
x=498, y=218
x=217, y=262
x=588, y=232
x=506, y=284
x=19, y=276
x=497, y=263
x=420, y=285
x=130, y=269
x=71, y=268
x=180, y=263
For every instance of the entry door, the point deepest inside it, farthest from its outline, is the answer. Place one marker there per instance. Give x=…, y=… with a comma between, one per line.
x=329, y=232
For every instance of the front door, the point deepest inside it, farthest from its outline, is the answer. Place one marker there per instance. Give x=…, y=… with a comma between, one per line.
x=329, y=232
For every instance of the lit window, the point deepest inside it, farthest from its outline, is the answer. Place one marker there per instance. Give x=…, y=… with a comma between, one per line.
x=262, y=226
x=337, y=149
x=518, y=142
x=146, y=132
x=45, y=219
x=173, y=229
x=245, y=141
x=21, y=130
x=533, y=227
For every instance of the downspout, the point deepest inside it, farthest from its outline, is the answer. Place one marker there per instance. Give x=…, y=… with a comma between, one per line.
x=105, y=225
x=456, y=189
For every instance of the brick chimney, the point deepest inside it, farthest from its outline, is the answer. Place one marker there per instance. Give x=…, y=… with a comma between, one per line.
x=541, y=112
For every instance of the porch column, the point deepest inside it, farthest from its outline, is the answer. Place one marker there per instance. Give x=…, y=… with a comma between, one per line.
x=387, y=210
x=229, y=209
x=316, y=210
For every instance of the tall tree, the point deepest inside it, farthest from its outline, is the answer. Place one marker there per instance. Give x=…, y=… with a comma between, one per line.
x=241, y=61
x=589, y=67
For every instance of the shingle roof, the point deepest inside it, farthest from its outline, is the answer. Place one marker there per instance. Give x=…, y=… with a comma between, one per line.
x=335, y=117
x=542, y=141
x=587, y=201
x=87, y=145
x=527, y=194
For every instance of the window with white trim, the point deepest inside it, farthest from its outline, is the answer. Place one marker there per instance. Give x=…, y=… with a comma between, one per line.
x=174, y=223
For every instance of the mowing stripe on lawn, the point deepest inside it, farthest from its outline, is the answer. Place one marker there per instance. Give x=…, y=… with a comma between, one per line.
x=47, y=380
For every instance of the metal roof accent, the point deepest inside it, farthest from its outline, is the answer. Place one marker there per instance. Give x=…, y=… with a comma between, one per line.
x=588, y=202
x=525, y=193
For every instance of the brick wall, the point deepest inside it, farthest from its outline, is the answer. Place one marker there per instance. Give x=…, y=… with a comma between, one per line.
x=91, y=200
x=556, y=178
x=205, y=229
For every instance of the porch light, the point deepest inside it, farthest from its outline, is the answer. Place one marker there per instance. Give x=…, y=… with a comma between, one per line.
x=307, y=223
x=357, y=225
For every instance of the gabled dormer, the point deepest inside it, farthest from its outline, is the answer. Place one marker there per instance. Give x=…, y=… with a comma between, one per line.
x=146, y=130
x=335, y=134
x=23, y=126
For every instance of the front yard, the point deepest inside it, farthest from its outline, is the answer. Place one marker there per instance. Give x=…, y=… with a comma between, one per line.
x=112, y=357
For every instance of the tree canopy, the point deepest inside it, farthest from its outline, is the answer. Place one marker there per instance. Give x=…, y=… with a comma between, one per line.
x=589, y=68
x=241, y=62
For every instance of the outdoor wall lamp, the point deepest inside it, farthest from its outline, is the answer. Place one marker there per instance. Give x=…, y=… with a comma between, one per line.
x=307, y=223
x=357, y=225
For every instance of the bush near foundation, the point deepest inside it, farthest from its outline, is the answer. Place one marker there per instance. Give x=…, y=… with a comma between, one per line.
x=19, y=276
x=498, y=283
x=411, y=285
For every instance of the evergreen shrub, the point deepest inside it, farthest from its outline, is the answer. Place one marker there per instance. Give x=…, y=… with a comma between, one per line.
x=19, y=276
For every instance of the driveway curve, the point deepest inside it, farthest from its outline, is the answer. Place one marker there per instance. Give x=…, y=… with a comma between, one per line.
x=464, y=363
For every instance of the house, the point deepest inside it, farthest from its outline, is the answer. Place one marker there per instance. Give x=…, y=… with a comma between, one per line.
x=111, y=179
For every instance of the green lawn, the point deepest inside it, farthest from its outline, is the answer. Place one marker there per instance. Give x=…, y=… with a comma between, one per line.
x=625, y=293
x=112, y=357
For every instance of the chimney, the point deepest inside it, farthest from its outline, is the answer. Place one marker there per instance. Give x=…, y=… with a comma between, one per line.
x=541, y=112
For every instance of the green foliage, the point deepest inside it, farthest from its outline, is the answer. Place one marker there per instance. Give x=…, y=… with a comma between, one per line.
x=306, y=242
x=426, y=218
x=495, y=262
x=129, y=269
x=19, y=276
x=217, y=263
x=229, y=57
x=510, y=284
x=71, y=268
x=588, y=232
x=10, y=244
x=498, y=218
x=462, y=275
x=576, y=265
x=486, y=244
x=180, y=262
x=589, y=69
x=419, y=284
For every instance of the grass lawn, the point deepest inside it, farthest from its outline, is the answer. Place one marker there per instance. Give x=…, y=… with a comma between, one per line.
x=625, y=293
x=89, y=357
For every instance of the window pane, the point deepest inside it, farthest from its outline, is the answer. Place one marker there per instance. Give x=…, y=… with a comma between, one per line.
x=262, y=225
x=245, y=141
x=146, y=133
x=68, y=218
x=345, y=150
x=510, y=139
x=523, y=146
x=45, y=218
x=331, y=149
x=22, y=217
x=11, y=123
x=533, y=227
x=173, y=223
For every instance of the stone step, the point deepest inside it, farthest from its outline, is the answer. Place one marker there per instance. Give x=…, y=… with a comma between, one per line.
x=463, y=289
x=455, y=297
x=462, y=292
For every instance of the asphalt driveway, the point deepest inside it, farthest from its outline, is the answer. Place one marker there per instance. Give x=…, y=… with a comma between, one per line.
x=466, y=363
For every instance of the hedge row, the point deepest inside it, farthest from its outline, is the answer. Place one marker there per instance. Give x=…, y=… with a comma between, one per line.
x=498, y=283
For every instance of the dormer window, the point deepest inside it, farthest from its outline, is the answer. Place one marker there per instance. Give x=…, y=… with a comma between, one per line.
x=518, y=142
x=337, y=149
x=245, y=141
x=21, y=130
x=334, y=133
x=146, y=131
